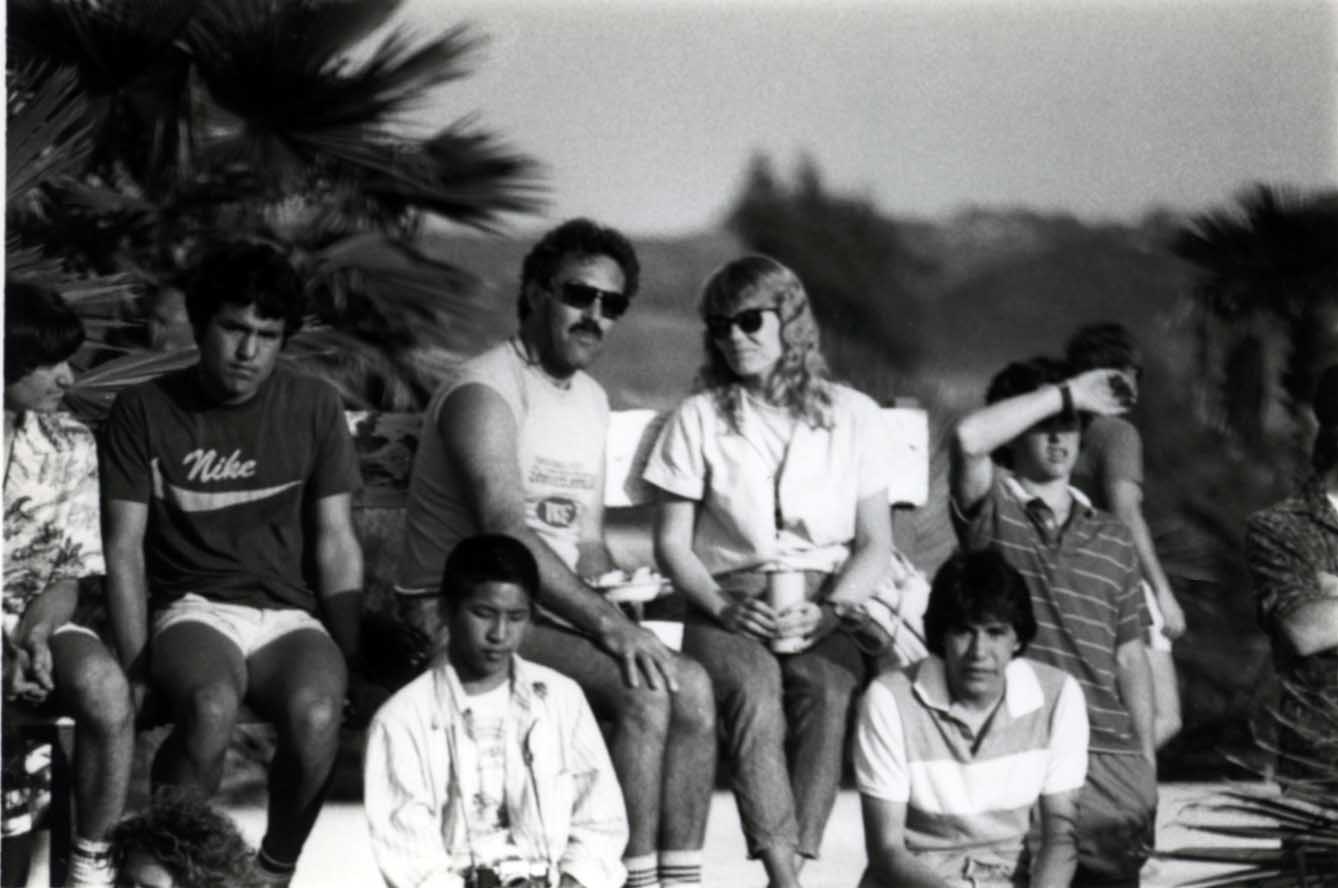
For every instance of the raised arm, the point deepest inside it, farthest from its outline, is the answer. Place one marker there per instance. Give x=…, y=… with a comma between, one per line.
x=479, y=432
x=985, y=430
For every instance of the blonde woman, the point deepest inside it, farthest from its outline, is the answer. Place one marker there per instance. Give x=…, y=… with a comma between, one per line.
x=773, y=483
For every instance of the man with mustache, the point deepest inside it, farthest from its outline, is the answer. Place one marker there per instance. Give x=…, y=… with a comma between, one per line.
x=514, y=444
x=1012, y=461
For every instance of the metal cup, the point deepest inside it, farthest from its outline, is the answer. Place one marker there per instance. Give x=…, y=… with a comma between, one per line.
x=786, y=589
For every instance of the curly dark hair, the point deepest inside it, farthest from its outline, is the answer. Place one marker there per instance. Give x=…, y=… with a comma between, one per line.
x=974, y=587
x=197, y=844
x=577, y=237
x=244, y=273
x=40, y=329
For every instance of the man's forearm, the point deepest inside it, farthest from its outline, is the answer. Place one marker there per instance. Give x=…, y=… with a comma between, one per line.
x=340, y=577
x=561, y=590
x=1312, y=627
x=52, y=608
x=991, y=427
x=1134, y=678
x=128, y=611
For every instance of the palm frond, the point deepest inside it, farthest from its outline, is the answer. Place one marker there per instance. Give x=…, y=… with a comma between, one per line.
x=1253, y=255
x=92, y=394
x=284, y=68
x=110, y=42
x=47, y=135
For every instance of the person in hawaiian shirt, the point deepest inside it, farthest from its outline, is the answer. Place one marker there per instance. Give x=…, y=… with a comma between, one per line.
x=52, y=541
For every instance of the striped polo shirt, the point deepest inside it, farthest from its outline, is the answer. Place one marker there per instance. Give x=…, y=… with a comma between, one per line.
x=1084, y=582
x=970, y=794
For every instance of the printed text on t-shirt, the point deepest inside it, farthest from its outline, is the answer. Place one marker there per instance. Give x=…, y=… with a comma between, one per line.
x=206, y=465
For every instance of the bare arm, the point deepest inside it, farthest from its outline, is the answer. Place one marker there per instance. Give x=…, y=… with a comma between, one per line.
x=1297, y=600
x=32, y=679
x=985, y=430
x=479, y=432
x=123, y=527
x=339, y=571
x=891, y=863
x=1058, y=856
x=1126, y=500
x=594, y=558
x=1313, y=627
x=1134, y=679
x=675, y=518
x=870, y=552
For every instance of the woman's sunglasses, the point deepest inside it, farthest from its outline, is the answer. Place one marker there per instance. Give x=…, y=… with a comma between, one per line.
x=612, y=304
x=749, y=321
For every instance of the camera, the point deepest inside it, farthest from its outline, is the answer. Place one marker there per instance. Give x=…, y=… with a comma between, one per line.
x=507, y=874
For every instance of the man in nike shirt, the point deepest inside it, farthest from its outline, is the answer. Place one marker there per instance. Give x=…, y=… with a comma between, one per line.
x=233, y=570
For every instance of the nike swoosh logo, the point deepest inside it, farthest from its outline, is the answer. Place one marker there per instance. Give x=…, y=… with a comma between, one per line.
x=209, y=501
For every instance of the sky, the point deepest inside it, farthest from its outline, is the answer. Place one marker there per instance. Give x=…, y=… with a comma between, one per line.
x=645, y=113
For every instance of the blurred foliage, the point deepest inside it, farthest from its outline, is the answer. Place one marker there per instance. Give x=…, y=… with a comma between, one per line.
x=1279, y=839
x=141, y=130
x=853, y=261
x=1267, y=300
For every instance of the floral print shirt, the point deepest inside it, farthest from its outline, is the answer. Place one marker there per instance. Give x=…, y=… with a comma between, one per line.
x=52, y=529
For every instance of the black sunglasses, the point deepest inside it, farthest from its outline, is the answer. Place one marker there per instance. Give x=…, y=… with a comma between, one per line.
x=749, y=321
x=612, y=304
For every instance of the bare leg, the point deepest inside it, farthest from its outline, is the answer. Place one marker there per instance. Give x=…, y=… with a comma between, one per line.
x=201, y=674
x=640, y=718
x=298, y=683
x=91, y=686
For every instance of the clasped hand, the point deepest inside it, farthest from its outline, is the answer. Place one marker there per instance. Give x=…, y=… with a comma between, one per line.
x=753, y=616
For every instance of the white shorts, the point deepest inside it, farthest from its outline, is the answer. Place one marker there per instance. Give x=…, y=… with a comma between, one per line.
x=250, y=628
x=1157, y=639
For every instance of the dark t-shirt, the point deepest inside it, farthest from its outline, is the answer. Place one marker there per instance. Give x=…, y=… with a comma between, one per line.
x=230, y=489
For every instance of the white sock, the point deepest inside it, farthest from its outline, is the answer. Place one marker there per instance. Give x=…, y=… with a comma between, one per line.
x=680, y=868
x=642, y=871
x=90, y=864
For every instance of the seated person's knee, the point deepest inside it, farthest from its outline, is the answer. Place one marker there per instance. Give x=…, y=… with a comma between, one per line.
x=209, y=708
x=100, y=695
x=694, y=701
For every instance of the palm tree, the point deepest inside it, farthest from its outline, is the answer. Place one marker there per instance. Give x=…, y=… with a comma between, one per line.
x=1267, y=299
x=144, y=128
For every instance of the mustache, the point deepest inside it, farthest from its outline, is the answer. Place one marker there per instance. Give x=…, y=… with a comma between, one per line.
x=587, y=327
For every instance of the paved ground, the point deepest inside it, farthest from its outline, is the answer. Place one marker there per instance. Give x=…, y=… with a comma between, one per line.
x=339, y=853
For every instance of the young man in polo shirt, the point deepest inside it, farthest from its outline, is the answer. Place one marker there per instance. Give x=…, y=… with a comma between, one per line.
x=952, y=753
x=1010, y=487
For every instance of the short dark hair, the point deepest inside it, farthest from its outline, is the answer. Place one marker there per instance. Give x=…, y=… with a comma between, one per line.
x=197, y=844
x=975, y=587
x=488, y=558
x=1021, y=377
x=577, y=237
x=1102, y=345
x=40, y=329
x=244, y=273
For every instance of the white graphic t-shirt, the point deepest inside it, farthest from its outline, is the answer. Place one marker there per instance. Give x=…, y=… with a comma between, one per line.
x=559, y=448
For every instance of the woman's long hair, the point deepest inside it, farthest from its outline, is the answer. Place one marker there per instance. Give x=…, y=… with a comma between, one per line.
x=799, y=381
